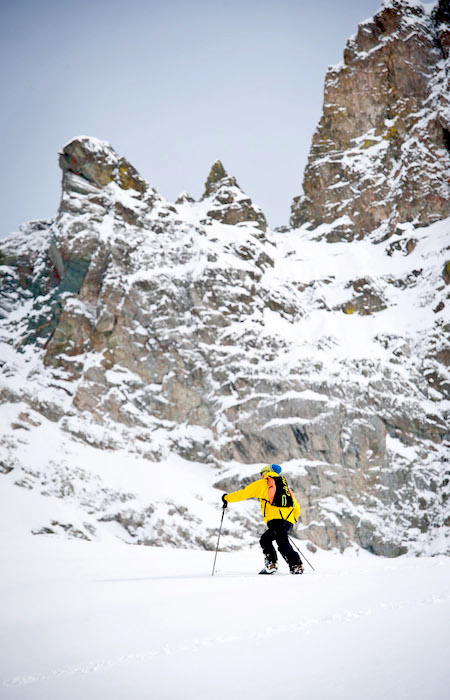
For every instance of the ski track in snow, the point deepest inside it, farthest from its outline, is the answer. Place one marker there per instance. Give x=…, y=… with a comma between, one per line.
x=198, y=645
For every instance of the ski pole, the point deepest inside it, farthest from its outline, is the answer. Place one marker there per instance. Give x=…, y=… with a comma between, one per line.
x=301, y=553
x=220, y=530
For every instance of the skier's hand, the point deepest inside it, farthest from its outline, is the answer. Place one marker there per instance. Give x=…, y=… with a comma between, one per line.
x=225, y=503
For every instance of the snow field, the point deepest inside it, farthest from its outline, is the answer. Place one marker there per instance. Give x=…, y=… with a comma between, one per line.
x=109, y=620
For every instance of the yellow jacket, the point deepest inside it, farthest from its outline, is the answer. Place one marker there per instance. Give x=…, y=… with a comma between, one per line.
x=260, y=489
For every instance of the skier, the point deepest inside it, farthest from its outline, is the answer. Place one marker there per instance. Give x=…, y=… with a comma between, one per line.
x=280, y=511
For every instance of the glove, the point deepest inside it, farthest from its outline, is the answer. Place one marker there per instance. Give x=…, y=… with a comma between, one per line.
x=225, y=503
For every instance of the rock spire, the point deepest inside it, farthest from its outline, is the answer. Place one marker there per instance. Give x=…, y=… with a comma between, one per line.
x=227, y=202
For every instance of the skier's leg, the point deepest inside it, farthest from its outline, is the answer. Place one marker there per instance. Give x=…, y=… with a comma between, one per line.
x=266, y=542
x=282, y=530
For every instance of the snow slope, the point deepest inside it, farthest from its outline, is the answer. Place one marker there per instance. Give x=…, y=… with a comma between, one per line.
x=106, y=620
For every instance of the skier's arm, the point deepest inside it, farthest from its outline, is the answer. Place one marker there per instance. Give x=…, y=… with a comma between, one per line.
x=257, y=489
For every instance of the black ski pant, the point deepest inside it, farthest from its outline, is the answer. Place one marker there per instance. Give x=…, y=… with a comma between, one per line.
x=279, y=530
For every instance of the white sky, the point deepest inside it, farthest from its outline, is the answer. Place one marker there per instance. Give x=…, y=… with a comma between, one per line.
x=173, y=85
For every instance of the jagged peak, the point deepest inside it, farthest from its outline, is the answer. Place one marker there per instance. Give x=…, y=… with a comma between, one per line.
x=217, y=172
x=218, y=177
x=392, y=15
x=97, y=162
x=227, y=202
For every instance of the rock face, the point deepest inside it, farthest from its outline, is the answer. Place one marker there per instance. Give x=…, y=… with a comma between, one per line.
x=381, y=153
x=132, y=330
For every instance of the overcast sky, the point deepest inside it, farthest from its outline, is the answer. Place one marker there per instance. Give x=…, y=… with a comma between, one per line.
x=173, y=85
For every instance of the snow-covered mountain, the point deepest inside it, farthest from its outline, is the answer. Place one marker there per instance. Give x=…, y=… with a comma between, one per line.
x=154, y=355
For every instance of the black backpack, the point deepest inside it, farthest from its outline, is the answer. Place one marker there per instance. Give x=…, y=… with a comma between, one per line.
x=279, y=492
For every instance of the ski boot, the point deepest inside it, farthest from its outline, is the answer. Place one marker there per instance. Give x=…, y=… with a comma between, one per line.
x=296, y=569
x=270, y=567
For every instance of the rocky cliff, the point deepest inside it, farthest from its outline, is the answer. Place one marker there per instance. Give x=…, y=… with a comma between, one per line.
x=381, y=152
x=155, y=353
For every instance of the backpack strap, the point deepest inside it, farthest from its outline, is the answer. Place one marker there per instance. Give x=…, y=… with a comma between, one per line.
x=287, y=518
x=272, y=488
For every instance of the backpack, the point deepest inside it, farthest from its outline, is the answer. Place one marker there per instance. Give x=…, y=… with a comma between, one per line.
x=280, y=494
